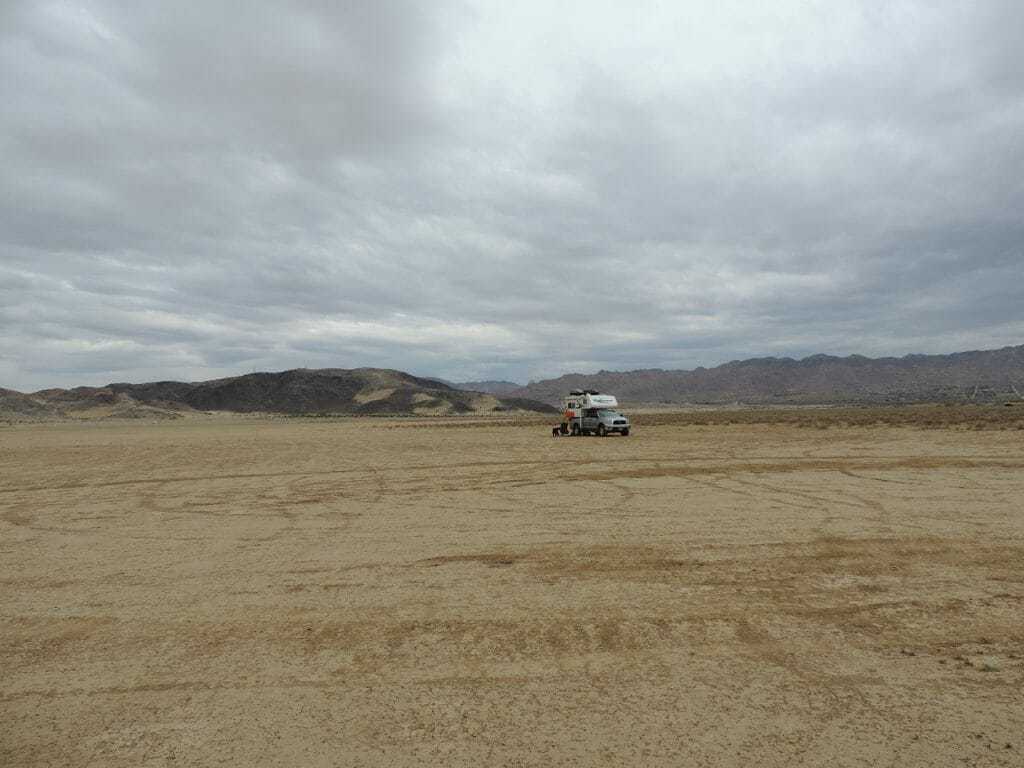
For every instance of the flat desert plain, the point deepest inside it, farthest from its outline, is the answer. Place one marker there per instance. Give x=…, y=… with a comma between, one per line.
x=403, y=592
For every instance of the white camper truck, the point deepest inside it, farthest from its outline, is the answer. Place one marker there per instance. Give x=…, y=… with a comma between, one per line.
x=586, y=412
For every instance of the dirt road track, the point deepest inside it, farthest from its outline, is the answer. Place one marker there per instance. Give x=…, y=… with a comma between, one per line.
x=345, y=593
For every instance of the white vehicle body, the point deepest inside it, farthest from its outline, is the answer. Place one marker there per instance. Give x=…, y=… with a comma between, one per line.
x=585, y=412
x=585, y=400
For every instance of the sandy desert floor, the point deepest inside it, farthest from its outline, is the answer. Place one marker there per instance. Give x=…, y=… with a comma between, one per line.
x=401, y=592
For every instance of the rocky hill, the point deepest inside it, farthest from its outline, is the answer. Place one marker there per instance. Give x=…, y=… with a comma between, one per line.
x=362, y=391
x=18, y=405
x=984, y=376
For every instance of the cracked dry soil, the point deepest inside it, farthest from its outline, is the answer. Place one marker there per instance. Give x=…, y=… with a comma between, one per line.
x=381, y=593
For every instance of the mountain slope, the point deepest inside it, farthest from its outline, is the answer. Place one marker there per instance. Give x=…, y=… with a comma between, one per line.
x=328, y=390
x=981, y=376
x=78, y=403
x=362, y=391
x=17, y=404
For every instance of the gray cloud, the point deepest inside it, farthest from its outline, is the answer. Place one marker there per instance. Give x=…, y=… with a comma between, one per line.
x=484, y=191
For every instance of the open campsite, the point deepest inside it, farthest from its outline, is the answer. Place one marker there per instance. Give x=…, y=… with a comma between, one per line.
x=255, y=592
x=527, y=384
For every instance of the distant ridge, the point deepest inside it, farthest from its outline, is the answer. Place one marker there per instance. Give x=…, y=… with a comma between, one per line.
x=490, y=387
x=980, y=376
x=360, y=391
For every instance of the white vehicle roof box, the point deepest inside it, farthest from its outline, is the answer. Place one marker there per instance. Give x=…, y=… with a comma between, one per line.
x=591, y=399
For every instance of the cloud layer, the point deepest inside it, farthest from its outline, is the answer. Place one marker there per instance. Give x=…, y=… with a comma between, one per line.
x=474, y=190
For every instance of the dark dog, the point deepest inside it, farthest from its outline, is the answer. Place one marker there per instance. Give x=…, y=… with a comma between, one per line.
x=556, y=431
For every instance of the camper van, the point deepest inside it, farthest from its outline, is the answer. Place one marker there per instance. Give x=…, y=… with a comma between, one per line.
x=586, y=412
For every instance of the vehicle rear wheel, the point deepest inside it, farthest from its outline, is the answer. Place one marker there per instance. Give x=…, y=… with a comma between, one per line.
x=601, y=431
x=575, y=430
x=625, y=432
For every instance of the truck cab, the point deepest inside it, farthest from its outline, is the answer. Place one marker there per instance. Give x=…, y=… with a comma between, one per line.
x=587, y=412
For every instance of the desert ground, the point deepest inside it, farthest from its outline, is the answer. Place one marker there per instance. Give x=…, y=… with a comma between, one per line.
x=400, y=592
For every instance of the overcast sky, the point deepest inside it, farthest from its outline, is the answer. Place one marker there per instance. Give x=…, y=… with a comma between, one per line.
x=503, y=189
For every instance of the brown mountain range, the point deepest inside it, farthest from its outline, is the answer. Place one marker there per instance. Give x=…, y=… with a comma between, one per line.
x=983, y=376
x=362, y=391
